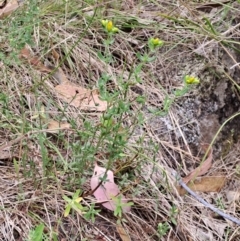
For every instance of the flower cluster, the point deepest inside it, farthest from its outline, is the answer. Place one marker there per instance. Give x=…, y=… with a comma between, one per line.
x=109, y=27
x=191, y=80
x=154, y=43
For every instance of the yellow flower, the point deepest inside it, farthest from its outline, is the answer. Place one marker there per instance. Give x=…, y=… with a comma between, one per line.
x=109, y=27
x=157, y=42
x=191, y=80
x=154, y=43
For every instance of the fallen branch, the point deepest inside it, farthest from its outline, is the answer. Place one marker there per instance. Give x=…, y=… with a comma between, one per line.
x=201, y=200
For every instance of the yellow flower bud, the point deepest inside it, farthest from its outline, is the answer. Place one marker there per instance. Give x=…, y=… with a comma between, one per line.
x=154, y=43
x=109, y=27
x=191, y=80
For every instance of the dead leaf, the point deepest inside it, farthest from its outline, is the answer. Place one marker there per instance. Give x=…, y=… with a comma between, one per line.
x=80, y=97
x=76, y=96
x=205, y=184
x=122, y=233
x=55, y=54
x=55, y=126
x=38, y=65
x=61, y=77
x=58, y=74
x=25, y=53
x=8, y=9
x=201, y=170
x=107, y=190
x=34, y=61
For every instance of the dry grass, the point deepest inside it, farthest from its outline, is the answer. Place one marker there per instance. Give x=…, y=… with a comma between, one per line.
x=38, y=168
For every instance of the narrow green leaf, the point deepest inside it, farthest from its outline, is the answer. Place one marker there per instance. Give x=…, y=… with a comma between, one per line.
x=38, y=233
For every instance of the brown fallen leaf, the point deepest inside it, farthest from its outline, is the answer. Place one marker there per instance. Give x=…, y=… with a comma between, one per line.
x=34, y=61
x=55, y=54
x=55, y=126
x=8, y=9
x=106, y=191
x=58, y=74
x=205, y=184
x=122, y=233
x=61, y=77
x=201, y=170
x=80, y=97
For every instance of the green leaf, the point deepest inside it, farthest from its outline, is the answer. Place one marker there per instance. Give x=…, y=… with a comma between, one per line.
x=76, y=195
x=37, y=234
x=151, y=59
x=67, y=199
x=67, y=210
x=181, y=92
x=139, y=56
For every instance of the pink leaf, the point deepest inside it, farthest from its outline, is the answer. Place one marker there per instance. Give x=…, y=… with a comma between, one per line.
x=107, y=190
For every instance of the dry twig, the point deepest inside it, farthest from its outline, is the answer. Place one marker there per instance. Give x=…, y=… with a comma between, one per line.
x=206, y=204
